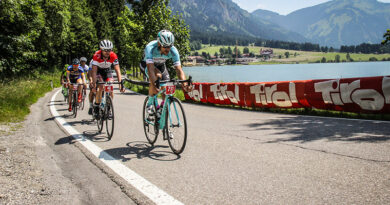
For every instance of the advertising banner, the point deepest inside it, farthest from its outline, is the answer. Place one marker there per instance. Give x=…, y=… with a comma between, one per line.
x=370, y=94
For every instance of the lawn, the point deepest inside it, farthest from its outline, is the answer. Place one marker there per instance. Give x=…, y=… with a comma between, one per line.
x=296, y=56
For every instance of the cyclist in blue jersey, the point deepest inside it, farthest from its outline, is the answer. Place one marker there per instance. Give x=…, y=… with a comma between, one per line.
x=74, y=74
x=153, y=64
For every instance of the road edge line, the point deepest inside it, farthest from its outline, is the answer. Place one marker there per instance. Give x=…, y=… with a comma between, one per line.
x=150, y=190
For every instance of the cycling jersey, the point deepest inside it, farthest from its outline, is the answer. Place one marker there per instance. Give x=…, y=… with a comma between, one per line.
x=105, y=64
x=153, y=55
x=74, y=75
x=86, y=68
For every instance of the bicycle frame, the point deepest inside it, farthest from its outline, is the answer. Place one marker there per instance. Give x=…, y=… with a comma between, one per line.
x=168, y=98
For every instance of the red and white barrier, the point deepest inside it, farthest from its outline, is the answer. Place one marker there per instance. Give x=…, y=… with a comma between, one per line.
x=370, y=94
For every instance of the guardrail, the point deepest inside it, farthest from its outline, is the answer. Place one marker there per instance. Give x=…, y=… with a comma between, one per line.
x=361, y=95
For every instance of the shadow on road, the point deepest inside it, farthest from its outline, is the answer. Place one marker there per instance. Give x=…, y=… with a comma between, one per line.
x=139, y=150
x=306, y=129
x=65, y=140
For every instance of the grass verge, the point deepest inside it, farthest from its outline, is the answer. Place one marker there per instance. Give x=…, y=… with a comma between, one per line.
x=17, y=95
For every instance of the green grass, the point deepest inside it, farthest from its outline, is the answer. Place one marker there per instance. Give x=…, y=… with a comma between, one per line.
x=300, y=57
x=18, y=95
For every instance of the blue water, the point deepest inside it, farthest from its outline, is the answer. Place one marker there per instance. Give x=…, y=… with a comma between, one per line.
x=287, y=72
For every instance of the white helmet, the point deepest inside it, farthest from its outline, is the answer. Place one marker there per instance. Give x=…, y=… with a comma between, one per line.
x=165, y=38
x=106, y=45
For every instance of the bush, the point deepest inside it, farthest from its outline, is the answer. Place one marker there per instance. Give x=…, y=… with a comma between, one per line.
x=373, y=59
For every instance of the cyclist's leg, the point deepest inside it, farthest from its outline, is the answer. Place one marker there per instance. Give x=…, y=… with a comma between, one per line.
x=71, y=93
x=101, y=75
x=79, y=88
x=164, y=76
x=110, y=77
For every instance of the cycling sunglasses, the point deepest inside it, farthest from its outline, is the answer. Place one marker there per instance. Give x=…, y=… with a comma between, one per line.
x=167, y=46
x=107, y=50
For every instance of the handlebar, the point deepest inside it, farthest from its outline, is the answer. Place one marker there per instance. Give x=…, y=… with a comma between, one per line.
x=174, y=81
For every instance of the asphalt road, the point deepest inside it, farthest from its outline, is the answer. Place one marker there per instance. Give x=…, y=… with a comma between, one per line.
x=245, y=157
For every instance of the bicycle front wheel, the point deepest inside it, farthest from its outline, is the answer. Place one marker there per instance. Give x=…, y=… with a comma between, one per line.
x=74, y=104
x=109, y=117
x=150, y=123
x=176, y=126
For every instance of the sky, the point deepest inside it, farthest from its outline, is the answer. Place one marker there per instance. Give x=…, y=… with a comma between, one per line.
x=282, y=7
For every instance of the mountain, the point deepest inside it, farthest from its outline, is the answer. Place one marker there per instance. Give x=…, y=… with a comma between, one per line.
x=227, y=18
x=337, y=22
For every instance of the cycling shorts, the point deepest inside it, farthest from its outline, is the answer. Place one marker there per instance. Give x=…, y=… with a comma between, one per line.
x=161, y=67
x=104, y=74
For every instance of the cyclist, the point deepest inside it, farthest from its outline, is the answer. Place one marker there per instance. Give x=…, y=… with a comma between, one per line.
x=90, y=97
x=103, y=60
x=153, y=64
x=86, y=68
x=63, y=82
x=74, y=74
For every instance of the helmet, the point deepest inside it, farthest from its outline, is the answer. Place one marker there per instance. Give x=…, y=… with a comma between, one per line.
x=106, y=44
x=75, y=61
x=83, y=59
x=165, y=38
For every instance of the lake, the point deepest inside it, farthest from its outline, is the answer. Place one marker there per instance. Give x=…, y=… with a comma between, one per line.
x=287, y=72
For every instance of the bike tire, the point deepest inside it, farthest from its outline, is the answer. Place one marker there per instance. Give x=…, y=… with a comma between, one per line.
x=100, y=121
x=151, y=131
x=109, y=117
x=74, y=104
x=176, y=126
x=82, y=104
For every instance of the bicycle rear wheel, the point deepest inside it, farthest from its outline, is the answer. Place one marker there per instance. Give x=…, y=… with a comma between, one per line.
x=109, y=117
x=176, y=126
x=81, y=104
x=150, y=123
x=74, y=104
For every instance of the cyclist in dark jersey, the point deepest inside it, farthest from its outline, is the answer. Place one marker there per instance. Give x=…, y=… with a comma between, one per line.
x=75, y=74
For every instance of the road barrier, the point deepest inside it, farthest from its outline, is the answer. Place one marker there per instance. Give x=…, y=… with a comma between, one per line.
x=361, y=95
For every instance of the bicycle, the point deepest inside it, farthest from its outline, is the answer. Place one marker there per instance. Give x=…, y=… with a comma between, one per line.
x=170, y=118
x=106, y=109
x=74, y=99
x=65, y=93
x=83, y=94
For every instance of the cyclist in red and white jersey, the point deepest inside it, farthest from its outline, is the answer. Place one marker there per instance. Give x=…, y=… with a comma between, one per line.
x=103, y=60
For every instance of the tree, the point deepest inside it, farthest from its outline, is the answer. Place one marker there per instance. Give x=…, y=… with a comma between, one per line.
x=229, y=51
x=83, y=36
x=337, y=58
x=348, y=57
x=287, y=54
x=387, y=37
x=323, y=60
x=21, y=24
x=246, y=50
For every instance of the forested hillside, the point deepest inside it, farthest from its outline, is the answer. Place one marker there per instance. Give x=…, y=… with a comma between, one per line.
x=38, y=35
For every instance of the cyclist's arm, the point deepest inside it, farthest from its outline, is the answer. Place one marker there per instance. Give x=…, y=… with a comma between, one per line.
x=62, y=78
x=67, y=76
x=181, y=75
x=94, y=71
x=151, y=73
x=83, y=77
x=119, y=75
x=180, y=72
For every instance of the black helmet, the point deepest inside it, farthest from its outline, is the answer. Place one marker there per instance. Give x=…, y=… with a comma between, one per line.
x=83, y=59
x=75, y=61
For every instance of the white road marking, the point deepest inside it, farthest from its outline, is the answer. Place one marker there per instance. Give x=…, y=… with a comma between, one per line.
x=155, y=194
